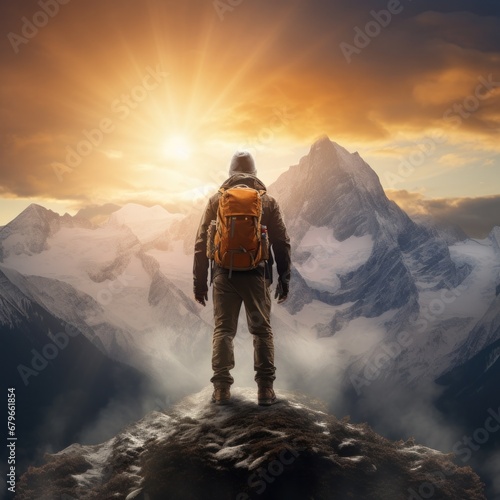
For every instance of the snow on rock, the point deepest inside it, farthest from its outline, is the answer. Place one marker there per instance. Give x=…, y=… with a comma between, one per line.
x=322, y=258
x=352, y=244
x=27, y=234
x=80, y=256
x=147, y=223
x=242, y=450
x=495, y=239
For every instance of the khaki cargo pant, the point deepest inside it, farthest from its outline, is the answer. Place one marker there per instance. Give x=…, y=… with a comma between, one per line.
x=252, y=290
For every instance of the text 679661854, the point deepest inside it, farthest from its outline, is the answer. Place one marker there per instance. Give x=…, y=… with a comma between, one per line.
x=11, y=440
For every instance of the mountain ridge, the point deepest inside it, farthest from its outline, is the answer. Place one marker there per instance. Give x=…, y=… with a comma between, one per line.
x=290, y=450
x=33, y=226
x=337, y=191
x=363, y=273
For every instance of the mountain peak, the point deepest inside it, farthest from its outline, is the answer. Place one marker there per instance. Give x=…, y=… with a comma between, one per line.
x=35, y=206
x=324, y=143
x=199, y=450
x=36, y=210
x=324, y=140
x=29, y=231
x=335, y=188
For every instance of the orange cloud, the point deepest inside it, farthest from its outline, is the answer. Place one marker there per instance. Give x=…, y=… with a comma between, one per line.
x=268, y=76
x=475, y=216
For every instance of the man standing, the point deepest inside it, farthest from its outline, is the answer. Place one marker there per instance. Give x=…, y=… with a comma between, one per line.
x=231, y=288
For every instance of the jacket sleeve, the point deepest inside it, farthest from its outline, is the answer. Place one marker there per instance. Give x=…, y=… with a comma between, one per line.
x=201, y=263
x=279, y=241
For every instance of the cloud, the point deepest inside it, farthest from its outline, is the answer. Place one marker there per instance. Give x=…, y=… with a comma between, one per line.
x=225, y=79
x=453, y=160
x=476, y=216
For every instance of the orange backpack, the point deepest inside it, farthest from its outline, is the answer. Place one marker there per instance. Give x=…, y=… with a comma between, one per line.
x=237, y=240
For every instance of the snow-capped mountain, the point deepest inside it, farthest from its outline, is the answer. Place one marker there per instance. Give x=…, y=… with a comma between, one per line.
x=134, y=215
x=484, y=333
x=471, y=378
x=358, y=260
x=291, y=450
x=451, y=233
x=352, y=244
x=28, y=233
x=470, y=391
x=378, y=302
x=63, y=381
x=101, y=280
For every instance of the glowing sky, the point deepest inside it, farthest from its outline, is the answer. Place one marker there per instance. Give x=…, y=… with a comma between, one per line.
x=152, y=97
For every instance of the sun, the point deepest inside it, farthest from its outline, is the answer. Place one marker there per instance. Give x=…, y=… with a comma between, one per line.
x=178, y=147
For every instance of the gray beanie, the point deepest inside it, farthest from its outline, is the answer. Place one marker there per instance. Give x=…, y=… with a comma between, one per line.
x=242, y=162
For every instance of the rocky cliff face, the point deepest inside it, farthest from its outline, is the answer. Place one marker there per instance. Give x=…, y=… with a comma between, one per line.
x=63, y=382
x=336, y=191
x=291, y=450
x=29, y=231
x=362, y=271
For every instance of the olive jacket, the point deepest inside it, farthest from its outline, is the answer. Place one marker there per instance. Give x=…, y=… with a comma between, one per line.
x=279, y=241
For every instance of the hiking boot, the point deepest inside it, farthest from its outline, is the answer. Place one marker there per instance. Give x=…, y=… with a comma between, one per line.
x=221, y=395
x=266, y=396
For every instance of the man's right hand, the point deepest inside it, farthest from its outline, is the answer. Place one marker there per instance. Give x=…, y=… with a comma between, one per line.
x=201, y=298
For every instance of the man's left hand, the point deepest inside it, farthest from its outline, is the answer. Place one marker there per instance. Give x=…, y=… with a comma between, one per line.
x=201, y=298
x=281, y=292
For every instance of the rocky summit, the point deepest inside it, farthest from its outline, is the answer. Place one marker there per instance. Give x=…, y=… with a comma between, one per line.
x=291, y=450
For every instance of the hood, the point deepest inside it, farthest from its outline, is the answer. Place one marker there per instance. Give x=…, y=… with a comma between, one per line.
x=243, y=178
